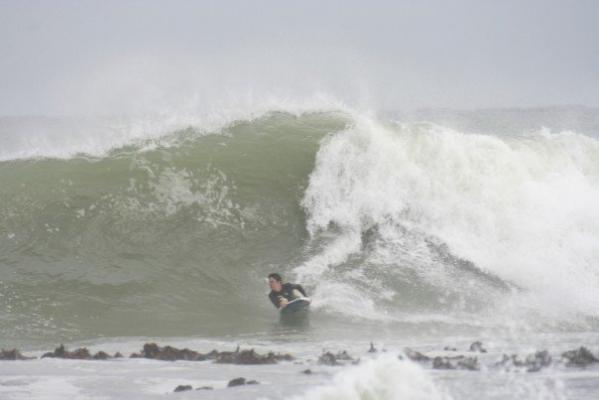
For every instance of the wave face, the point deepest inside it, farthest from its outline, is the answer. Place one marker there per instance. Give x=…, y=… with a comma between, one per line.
x=381, y=220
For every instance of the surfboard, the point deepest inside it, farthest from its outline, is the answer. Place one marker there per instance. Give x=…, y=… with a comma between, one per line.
x=296, y=312
x=301, y=304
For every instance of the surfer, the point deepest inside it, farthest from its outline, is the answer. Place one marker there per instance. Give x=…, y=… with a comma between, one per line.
x=282, y=293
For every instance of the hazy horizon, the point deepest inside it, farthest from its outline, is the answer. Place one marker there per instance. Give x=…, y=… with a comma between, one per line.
x=102, y=58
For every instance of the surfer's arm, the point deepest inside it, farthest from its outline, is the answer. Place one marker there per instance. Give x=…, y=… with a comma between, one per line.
x=300, y=289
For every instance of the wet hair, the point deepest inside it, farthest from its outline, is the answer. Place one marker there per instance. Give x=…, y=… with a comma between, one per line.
x=276, y=277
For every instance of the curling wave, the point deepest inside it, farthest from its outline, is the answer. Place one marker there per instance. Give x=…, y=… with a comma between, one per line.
x=172, y=234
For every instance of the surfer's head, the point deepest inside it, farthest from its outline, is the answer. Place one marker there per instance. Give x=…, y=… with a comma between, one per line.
x=275, y=282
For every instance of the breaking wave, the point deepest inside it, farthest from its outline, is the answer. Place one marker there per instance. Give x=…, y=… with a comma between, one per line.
x=172, y=234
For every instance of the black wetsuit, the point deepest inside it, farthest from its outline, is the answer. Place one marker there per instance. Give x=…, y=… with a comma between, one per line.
x=286, y=292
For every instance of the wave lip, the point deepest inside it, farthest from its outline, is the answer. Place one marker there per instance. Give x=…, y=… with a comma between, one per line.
x=66, y=137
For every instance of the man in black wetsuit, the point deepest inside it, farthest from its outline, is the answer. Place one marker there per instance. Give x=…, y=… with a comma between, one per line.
x=282, y=293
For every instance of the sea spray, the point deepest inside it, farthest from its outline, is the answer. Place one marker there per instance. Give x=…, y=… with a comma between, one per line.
x=457, y=212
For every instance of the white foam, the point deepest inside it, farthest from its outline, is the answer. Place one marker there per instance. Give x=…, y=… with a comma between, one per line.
x=523, y=208
x=385, y=378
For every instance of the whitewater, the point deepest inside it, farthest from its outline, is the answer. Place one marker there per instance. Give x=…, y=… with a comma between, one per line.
x=429, y=231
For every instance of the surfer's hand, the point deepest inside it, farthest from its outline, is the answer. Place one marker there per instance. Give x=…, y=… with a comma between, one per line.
x=283, y=303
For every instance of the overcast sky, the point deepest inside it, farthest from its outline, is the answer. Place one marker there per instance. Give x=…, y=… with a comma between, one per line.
x=97, y=57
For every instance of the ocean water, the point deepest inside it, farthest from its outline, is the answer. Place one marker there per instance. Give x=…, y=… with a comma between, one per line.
x=421, y=230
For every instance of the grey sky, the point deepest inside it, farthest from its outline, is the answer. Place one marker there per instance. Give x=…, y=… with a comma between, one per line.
x=96, y=57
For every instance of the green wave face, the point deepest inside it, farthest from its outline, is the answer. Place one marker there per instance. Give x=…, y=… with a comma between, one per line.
x=171, y=238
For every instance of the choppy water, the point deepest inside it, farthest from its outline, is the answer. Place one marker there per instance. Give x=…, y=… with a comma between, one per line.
x=401, y=229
